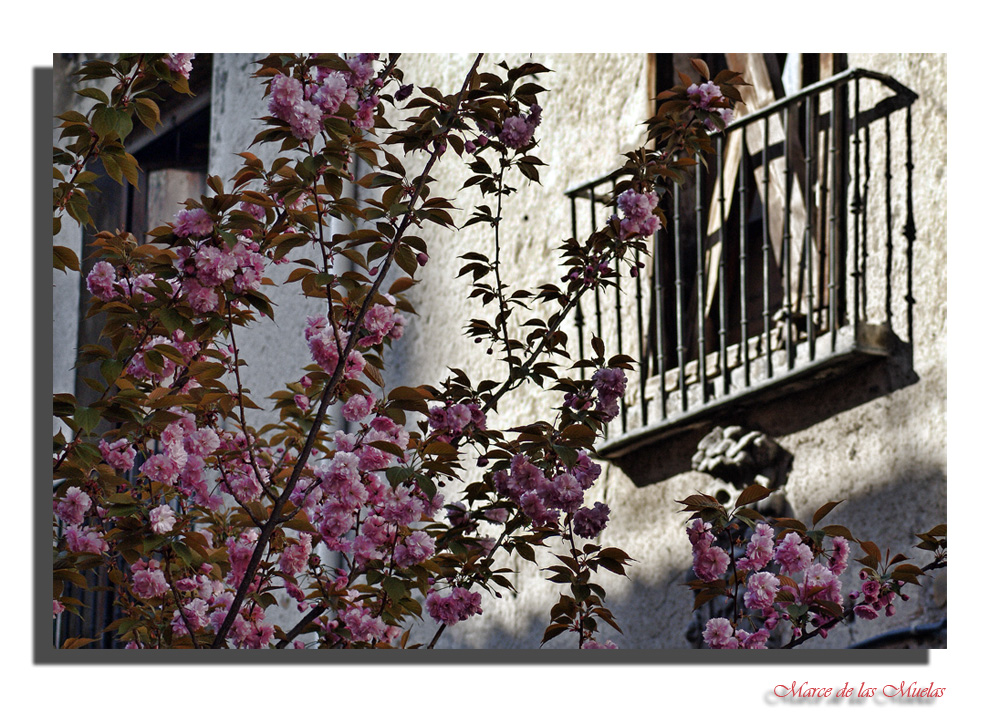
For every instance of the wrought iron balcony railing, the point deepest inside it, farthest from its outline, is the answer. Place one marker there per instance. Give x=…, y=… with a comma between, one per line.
x=779, y=264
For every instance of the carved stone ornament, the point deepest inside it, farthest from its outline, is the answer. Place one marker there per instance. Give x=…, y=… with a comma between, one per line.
x=740, y=456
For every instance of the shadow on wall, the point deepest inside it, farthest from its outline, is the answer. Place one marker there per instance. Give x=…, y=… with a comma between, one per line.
x=654, y=608
x=793, y=411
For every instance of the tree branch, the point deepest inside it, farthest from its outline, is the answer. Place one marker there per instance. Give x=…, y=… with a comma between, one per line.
x=334, y=380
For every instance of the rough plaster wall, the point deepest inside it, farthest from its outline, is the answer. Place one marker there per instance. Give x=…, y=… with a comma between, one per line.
x=887, y=456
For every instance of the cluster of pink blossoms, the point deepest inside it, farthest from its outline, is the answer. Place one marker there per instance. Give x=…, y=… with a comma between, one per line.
x=325, y=341
x=459, y=605
x=639, y=219
x=359, y=514
x=303, y=104
x=546, y=499
x=358, y=407
x=325, y=348
x=608, y=385
x=119, y=454
x=710, y=562
x=517, y=131
x=72, y=510
x=241, y=476
x=347, y=494
x=148, y=580
x=105, y=284
x=455, y=419
x=162, y=519
x=137, y=367
x=720, y=634
x=819, y=581
x=382, y=322
x=85, y=539
x=594, y=270
x=704, y=97
x=877, y=594
x=193, y=224
x=180, y=63
x=357, y=623
x=207, y=601
x=181, y=463
x=594, y=644
x=205, y=268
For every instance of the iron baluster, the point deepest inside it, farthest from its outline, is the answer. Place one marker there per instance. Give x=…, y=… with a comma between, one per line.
x=909, y=229
x=679, y=298
x=808, y=241
x=597, y=271
x=744, y=321
x=888, y=225
x=723, y=362
x=579, y=307
x=766, y=230
x=700, y=276
x=786, y=255
x=660, y=321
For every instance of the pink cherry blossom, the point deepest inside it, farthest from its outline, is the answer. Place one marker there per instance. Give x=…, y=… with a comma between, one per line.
x=701, y=96
x=73, y=507
x=162, y=519
x=792, y=554
x=180, y=63
x=193, y=223
x=718, y=634
x=101, y=281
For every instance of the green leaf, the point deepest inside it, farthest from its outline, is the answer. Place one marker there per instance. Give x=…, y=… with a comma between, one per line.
x=110, y=369
x=111, y=167
x=183, y=552
x=148, y=112
x=395, y=588
x=797, y=610
x=75, y=643
x=104, y=121
x=871, y=549
x=170, y=318
x=153, y=542
x=426, y=485
x=87, y=418
x=122, y=124
x=95, y=93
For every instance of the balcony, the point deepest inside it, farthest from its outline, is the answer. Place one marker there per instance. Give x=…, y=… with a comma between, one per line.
x=785, y=263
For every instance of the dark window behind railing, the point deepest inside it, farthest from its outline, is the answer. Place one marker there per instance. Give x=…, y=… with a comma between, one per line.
x=780, y=256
